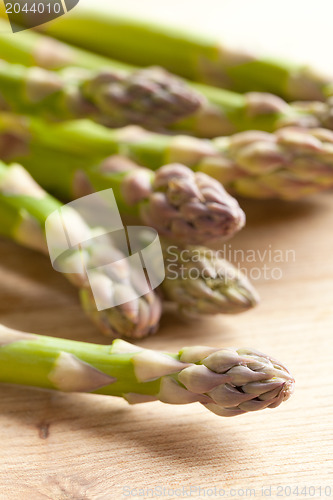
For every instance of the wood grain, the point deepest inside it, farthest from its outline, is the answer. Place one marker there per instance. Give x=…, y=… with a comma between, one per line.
x=60, y=446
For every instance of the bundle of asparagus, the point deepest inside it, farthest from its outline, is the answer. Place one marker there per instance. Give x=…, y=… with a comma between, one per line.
x=227, y=381
x=190, y=55
x=172, y=182
x=221, y=112
x=220, y=288
x=289, y=164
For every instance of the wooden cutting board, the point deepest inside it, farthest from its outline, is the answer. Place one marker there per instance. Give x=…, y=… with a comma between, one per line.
x=62, y=446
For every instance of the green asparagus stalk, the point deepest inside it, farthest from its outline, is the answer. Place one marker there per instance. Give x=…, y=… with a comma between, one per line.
x=289, y=164
x=32, y=49
x=226, y=381
x=196, y=57
x=150, y=97
x=186, y=206
x=221, y=112
x=24, y=208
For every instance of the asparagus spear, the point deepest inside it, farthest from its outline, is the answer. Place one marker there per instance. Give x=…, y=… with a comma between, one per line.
x=226, y=112
x=289, y=164
x=197, y=57
x=24, y=208
x=226, y=381
x=183, y=205
x=221, y=112
x=151, y=97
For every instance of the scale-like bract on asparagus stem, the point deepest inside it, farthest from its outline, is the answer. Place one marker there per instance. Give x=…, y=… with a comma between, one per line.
x=197, y=57
x=227, y=381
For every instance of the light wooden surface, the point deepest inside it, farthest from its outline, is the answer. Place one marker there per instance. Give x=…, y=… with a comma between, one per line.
x=56, y=446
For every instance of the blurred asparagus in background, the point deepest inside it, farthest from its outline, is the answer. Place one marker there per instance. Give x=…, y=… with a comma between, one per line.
x=289, y=164
x=221, y=112
x=151, y=97
x=225, y=112
x=227, y=381
x=197, y=57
